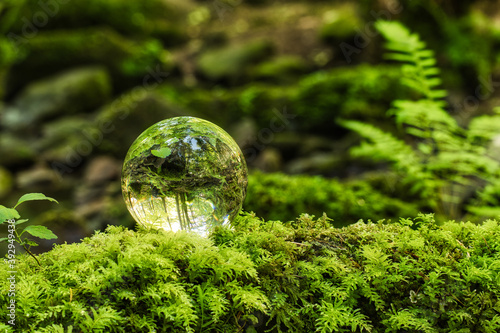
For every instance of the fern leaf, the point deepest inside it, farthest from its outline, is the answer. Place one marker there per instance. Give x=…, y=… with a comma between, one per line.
x=404, y=46
x=383, y=146
x=484, y=129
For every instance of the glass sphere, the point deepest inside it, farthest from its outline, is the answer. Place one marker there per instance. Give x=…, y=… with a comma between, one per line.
x=184, y=173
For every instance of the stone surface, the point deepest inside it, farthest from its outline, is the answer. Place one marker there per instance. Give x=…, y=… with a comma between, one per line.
x=231, y=62
x=16, y=151
x=281, y=68
x=122, y=120
x=39, y=178
x=76, y=91
x=269, y=160
x=6, y=182
x=102, y=168
x=341, y=23
x=122, y=57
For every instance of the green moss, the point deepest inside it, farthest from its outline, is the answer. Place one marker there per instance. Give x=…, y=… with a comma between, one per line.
x=127, y=116
x=6, y=182
x=127, y=17
x=282, y=197
x=341, y=23
x=124, y=58
x=299, y=276
x=16, y=151
x=7, y=58
x=281, y=69
x=231, y=62
x=217, y=104
x=350, y=92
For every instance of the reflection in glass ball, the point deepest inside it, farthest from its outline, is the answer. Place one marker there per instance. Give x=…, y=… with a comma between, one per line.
x=184, y=173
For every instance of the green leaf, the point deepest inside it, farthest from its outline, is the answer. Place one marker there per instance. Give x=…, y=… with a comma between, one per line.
x=3, y=239
x=18, y=222
x=161, y=153
x=32, y=197
x=29, y=242
x=8, y=214
x=40, y=231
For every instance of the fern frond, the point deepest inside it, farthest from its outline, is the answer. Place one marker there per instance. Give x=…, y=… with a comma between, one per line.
x=383, y=146
x=483, y=129
x=423, y=113
x=420, y=64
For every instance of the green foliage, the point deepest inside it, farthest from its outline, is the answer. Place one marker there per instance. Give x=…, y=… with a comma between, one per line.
x=299, y=276
x=161, y=153
x=438, y=159
x=278, y=196
x=419, y=69
x=131, y=17
x=281, y=68
x=356, y=92
x=8, y=216
x=230, y=62
x=123, y=57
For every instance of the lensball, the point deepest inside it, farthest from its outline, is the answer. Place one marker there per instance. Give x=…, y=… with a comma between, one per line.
x=184, y=173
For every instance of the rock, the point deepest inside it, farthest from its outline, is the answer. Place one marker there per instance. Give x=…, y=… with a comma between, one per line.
x=101, y=169
x=364, y=92
x=281, y=69
x=76, y=91
x=265, y=103
x=341, y=24
x=244, y=132
x=104, y=208
x=91, y=195
x=72, y=135
x=127, y=17
x=125, y=59
x=15, y=151
x=232, y=62
x=6, y=182
x=7, y=58
x=124, y=119
x=318, y=163
x=218, y=105
x=37, y=179
x=91, y=209
x=269, y=160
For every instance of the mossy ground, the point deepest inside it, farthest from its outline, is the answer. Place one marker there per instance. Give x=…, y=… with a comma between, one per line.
x=267, y=276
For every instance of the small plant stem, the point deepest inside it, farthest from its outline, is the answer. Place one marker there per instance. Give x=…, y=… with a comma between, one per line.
x=31, y=254
x=19, y=240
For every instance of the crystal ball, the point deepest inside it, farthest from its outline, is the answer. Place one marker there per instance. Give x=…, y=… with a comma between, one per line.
x=184, y=173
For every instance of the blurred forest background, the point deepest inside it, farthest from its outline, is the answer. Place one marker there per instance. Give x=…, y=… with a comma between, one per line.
x=81, y=79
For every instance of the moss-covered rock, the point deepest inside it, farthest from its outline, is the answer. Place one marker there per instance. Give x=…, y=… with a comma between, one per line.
x=7, y=58
x=124, y=58
x=61, y=136
x=300, y=276
x=127, y=17
x=232, y=62
x=16, y=151
x=6, y=182
x=120, y=122
x=277, y=196
x=281, y=69
x=76, y=91
x=262, y=102
x=341, y=23
x=351, y=92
